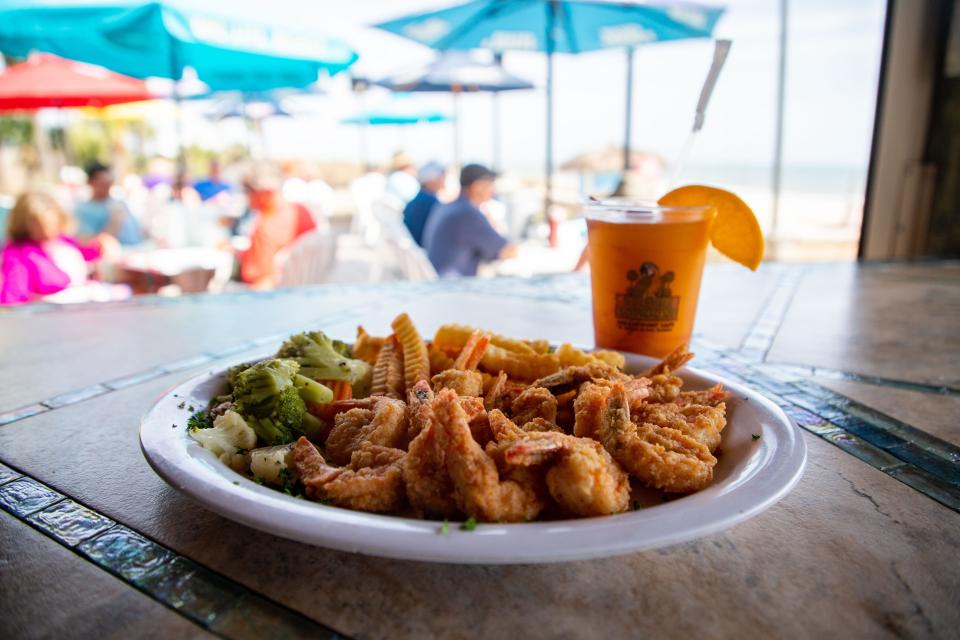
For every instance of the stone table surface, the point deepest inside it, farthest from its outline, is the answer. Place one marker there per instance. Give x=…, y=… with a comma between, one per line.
x=865, y=359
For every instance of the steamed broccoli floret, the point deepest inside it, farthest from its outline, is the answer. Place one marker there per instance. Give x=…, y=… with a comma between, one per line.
x=286, y=417
x=342, y=348
x=257, y=387
x=234, y=371
x=320, y=358
x=311, y=390
x=270, y=395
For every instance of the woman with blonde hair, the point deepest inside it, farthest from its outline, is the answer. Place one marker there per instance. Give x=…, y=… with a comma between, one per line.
x=39, y=258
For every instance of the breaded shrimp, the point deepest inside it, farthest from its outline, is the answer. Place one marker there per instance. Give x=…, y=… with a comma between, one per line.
x=429, y=488
x=582, y=477
x=712, y=397
x=661, y=457
x=374, y=488
x=573, y=377
x=664, y=387
x=700, y=422
x=676, y=359
x=465, y=383
x=385, y=425
x=587, y=408
x=534, y=402
x=492, y=399
x=479, y=490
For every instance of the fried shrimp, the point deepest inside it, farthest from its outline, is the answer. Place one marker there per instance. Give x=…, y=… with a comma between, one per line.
x=664, y=387
x=384, y=425
x=429, y=488
x=464, y=382
x=493, y=399
x=661, y=457
x=676, y=359
x=712, y=397
x=583, y=478
x=534, y=402
x=377, y=488
x=479, y=490
x=572, y=377
x=701, y=422
x=587, y=408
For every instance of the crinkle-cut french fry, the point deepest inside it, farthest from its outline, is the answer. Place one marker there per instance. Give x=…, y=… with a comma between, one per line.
x=452, y=337
x=439, y=360
x=539, y=346
x=378, y=386
x=570, y=356
x=527, y=367
x=366, y=346
x=396, y=378
x=472, y=351
x=612, y=358
x=416, y=361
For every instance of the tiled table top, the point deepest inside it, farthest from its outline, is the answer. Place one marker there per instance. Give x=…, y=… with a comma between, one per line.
x=865, y=359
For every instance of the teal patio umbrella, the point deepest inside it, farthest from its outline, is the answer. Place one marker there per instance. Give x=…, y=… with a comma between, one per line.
x=162, y=38
x=556, y=26
x=460, y=72
x=396, y=112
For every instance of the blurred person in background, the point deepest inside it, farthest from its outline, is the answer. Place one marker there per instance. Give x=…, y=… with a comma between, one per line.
x=432, y=177
x=401, y=180
x=104, y=214
x=39, y=258
x=275, y=226
x=213, y=185
x=458, y=236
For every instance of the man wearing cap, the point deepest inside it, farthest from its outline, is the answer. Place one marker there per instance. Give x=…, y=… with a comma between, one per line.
x=432, y=177
x=458, y=236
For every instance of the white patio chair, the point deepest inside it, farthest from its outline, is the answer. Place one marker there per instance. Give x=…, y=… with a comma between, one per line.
x=310, y=260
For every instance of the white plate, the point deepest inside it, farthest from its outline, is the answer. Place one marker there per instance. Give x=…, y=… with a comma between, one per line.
x=751, y=475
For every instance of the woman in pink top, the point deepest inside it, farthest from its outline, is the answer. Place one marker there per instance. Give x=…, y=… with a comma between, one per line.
x=39, y=260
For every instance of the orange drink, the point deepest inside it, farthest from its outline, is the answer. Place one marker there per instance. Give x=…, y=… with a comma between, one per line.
x=646, y=262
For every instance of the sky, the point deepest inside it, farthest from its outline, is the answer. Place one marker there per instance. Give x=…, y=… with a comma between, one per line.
x=832, y=69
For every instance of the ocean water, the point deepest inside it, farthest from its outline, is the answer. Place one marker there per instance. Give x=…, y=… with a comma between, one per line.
x=844, y=181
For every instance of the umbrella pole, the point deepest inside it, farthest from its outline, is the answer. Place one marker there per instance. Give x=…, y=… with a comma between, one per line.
x=456, y=128
x=547, y=200
x=627, y=131
x=495, y=133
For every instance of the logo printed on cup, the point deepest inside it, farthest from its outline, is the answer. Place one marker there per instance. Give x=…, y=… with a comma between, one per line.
x=648, y=303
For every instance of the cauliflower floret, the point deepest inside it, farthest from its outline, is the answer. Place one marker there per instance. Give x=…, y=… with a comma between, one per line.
x=267, y=463
x=228, y=439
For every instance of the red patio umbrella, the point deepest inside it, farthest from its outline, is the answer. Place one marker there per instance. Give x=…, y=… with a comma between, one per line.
x=45, y=80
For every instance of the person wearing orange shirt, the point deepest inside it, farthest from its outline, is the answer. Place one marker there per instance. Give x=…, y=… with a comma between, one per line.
x=275, y=228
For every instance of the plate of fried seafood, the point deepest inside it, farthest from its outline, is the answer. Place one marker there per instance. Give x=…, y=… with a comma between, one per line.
x=472, y=447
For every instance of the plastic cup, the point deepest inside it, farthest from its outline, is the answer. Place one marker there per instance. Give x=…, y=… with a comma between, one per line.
x=646, y=263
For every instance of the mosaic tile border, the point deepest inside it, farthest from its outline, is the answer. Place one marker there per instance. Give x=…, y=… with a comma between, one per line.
x=212, y=601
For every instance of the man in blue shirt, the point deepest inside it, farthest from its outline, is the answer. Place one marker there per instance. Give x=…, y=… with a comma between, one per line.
x=213, y=185
x=458, y=236
x=104, y=214
x=432, y=177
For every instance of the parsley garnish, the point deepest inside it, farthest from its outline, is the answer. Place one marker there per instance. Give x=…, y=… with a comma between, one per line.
x=755, y=437
x=445, y=528
x=199, y=420
x=469, y=525
x=182, y=404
